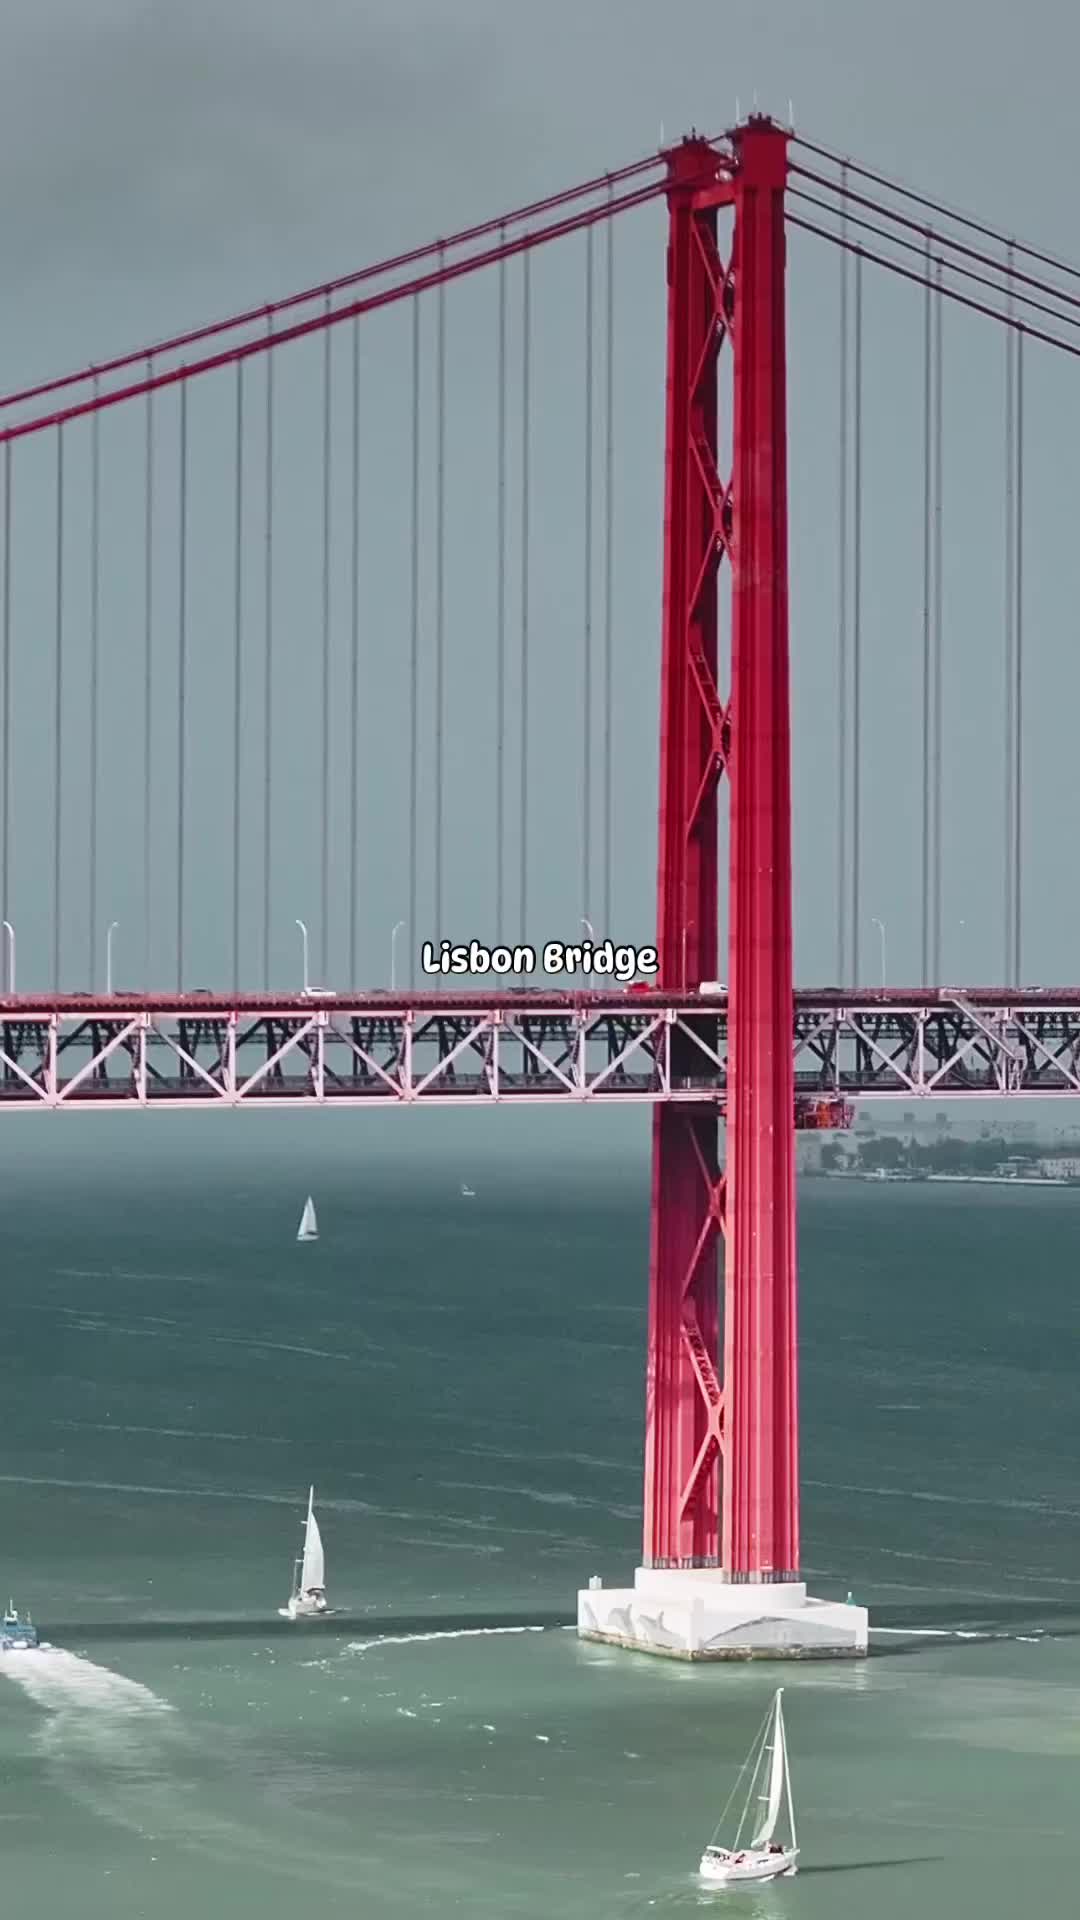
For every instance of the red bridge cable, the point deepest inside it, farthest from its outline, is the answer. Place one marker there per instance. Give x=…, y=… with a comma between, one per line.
x=932, y=206
x=371, y=303
x=944, y=242
x=842, y=627
x=935, y=951
x=238, y=664
x=94, y=702
x=927, y=630
x=148, y=675
x=1009, y=635
x=526, y=475
x=354, y=670
x=500, y=607
x=5, y=721
x=58, y=711
x=856, y=631
x=194, y=336
x=587, y=634
x=268, y=656
x=609, y=553
x=1017, y=325
x=181, y=684
x=440, y=606
x=414, y=652
x=327, y=467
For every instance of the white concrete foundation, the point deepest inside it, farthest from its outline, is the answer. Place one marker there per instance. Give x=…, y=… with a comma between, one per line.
x=690, y=1614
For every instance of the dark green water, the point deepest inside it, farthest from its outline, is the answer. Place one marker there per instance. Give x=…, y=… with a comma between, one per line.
x=462, y=1380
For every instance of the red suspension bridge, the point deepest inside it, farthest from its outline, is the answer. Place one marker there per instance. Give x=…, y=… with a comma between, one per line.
x=279, y=647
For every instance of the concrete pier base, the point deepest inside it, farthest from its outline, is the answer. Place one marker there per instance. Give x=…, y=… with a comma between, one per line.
x=692, y=1614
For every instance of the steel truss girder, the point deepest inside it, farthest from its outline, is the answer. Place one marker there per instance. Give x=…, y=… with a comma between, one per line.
x=957, y=1049
x=325, y=1058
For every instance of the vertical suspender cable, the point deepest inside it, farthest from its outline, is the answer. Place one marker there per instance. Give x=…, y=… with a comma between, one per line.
x=856, y=637
x=842, y=876
x=238, y=641
x=928, y=602
x=609, y=552
x=414, y=643
x=268, y=651
x=440, y=589
x=500, y=617
x=95, y=641
x=354, y=642
x=1019, y=669
x=526, y=354
x=586, y=689
x=5, y=852
x=148, y=677
x=58, y=709
x=324, y=895
x=938, y=710
x=181, y=690
x=1010, y=632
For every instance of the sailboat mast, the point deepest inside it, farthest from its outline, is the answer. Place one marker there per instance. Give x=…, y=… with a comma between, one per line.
x=781, y=1733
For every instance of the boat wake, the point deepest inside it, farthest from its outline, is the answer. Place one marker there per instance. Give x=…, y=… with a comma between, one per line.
x=65, y=1683
x=439, y=1633
x=117, y=1749
x=106, y=1739
x=954, y=1633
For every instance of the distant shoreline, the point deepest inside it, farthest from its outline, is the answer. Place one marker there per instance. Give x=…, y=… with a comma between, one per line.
x=896, y=1178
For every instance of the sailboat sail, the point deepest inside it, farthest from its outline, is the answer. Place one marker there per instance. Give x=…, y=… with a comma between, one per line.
x=313, y=1570
x=776, y=1782
x=309, y=1226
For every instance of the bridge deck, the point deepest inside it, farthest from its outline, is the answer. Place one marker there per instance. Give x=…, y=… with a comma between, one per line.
x=378, y=1048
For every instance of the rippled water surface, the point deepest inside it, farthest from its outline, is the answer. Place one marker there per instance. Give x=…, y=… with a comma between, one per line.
x=462, y=1380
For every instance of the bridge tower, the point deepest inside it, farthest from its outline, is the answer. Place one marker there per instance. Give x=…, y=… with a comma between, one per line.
x=720, y=1572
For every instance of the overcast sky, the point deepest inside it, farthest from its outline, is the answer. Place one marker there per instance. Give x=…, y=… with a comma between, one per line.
x=161, y=165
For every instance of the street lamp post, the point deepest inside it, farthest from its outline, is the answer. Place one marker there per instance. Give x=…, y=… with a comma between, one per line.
x=10, y=931
x=304, y=940
x=880, y=925
x=393, y=954
x=113, y=924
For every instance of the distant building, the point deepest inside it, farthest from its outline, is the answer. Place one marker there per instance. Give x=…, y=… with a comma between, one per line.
x=1063, y=1167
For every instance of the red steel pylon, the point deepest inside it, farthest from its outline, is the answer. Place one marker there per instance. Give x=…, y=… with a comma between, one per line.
x=750, y=1424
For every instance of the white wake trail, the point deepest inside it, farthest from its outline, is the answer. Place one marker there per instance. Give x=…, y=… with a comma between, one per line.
x=108, y=1741
x=65, y=1683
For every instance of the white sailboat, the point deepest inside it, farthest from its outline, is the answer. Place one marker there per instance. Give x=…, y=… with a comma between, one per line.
x=307, y=1600
x=309, y=1226
x=766, y=1856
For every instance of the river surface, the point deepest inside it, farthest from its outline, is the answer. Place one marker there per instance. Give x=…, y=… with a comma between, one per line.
x=462, y=1379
